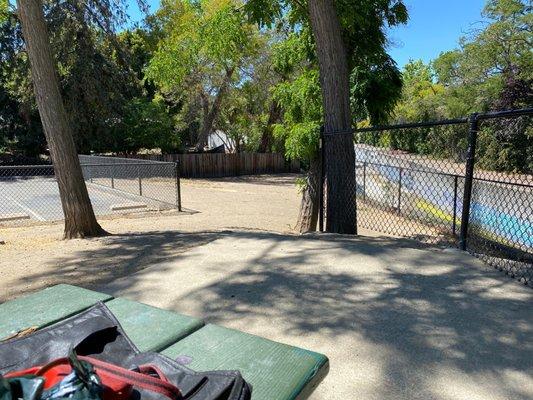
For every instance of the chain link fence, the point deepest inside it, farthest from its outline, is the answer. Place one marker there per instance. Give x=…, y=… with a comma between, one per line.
x=501, y=212
x=154, y=181
x=29, y=193
x=438, y=182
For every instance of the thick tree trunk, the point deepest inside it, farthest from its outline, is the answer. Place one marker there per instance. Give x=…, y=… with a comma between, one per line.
x=339, y=148
x=266, y=137
x=210, y=116
x=308, y=216
x=80, y=220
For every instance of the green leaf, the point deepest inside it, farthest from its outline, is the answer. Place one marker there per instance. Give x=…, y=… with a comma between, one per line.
x=4, y=7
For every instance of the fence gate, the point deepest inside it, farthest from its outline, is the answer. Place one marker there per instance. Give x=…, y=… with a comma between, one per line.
x=443, y=182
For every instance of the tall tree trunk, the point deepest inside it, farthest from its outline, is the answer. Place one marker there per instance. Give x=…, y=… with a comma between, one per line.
x=80, y=220
x=209, y=117
x=274, y=113
x=308, y=216
x=339, y=148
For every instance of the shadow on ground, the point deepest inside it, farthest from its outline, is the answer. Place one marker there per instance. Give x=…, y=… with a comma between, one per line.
x=399, y=320
x=115, y=256
x=446, y=326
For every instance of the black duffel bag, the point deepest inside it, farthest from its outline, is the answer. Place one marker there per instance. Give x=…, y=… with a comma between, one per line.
x=97, y=333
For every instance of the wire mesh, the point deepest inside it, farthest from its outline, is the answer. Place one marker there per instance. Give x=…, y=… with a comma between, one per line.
x=30, y=193
x=410, y=181
x=27, y=193
x=95, y=160
x=501, y=212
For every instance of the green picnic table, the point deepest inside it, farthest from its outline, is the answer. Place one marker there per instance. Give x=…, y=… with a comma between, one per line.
x=276, y=371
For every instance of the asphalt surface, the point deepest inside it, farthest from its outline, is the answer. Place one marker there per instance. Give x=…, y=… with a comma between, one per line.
x=38, y=197
x=501, y=208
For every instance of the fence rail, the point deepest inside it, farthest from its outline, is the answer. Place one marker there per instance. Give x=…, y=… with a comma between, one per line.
x=430, y=181
x=215, y=165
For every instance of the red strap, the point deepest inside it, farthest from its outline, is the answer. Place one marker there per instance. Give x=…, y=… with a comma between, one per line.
x=149, y=369
x=15, y=374
x=108, y=371
x=52, y=364
x=160, y=385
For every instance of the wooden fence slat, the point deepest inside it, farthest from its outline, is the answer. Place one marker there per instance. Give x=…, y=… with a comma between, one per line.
x=213, y=165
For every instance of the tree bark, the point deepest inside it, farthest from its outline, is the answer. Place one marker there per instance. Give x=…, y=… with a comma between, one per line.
x=274, y=113
x=209, y=117
x=339, y=164
x=80, y=220
x=308, y=215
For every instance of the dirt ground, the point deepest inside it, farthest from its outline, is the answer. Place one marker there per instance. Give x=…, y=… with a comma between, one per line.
x=34, y=257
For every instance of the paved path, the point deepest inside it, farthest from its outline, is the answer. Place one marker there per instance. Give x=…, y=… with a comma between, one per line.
x=398, y=321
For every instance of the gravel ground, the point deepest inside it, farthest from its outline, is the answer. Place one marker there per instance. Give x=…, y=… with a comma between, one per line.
x=34, y=257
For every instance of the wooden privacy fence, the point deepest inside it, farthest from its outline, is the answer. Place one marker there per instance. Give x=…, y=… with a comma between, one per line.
x=215, y=165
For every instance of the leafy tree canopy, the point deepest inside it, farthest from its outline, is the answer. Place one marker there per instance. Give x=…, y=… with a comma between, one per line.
x=491, y=70
x=490, y=60
x=375, y=79
x=95, y=77
x=250, y=68
x=205, y=50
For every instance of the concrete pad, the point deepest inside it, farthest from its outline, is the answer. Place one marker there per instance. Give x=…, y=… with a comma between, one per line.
x=397, y=320
x=127, y=206
x=13, y=217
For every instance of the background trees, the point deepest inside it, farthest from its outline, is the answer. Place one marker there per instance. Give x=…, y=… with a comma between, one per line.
x=205, y=50
x=127, y=94
x=253, y=70
x=491, y=70
x=96, y=83
x=353, y=78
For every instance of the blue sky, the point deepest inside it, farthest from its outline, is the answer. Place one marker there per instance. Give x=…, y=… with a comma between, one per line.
x=134, y=12
x=434, y=26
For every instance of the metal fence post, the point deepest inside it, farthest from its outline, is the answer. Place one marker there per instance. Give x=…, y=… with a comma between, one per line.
x=455, y=182
x=364, y=180
x=400, y=190
x=112, y=175
x=140, y=181
x=469, y=178
x=178, y=186
x=321, y=183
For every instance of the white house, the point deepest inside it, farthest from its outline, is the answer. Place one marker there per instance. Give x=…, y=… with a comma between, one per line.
x=219, y=138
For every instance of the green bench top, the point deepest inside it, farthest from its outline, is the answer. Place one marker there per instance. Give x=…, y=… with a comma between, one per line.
x=275, y=370
x=45, y=308
x=150, y=328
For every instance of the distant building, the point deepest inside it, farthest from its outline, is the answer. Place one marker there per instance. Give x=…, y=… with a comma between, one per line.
x=219, y=138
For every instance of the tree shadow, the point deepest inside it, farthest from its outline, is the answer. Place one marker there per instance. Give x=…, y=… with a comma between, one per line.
x=440, y=312
x=436, y=317
x=116, y=256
